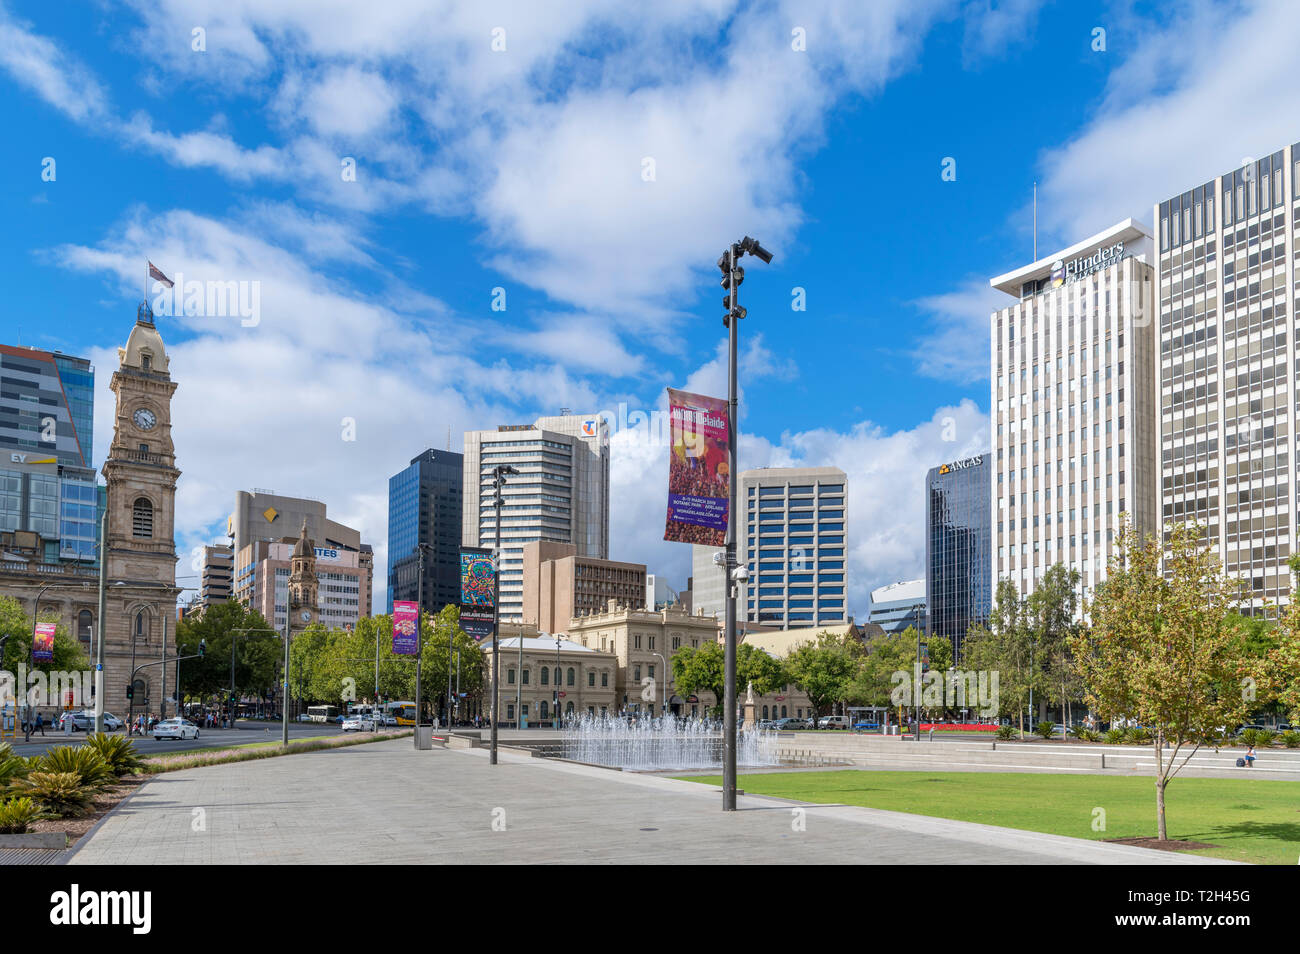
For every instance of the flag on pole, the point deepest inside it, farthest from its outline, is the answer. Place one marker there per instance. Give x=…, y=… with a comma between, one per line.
x=156, y=274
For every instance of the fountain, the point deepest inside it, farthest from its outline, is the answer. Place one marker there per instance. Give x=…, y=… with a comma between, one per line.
x=651, y=744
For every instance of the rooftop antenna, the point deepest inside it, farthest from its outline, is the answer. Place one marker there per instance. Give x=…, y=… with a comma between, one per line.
x=1035, y=220
x=448, y=437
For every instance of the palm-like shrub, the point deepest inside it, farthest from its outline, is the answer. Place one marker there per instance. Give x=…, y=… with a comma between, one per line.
x=1114, y=736
x=1045, y=729
x=81, y=761
x=17, y=813
x=1087, y=735
x=1138, y=735
x=1005, y=732
x=1291, y=739
x=60, y=793
x=12, y=767
x=118, y=753
x=1252, y=737
x=1264, y=738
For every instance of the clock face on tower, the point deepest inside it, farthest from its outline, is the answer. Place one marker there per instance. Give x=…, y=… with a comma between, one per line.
x=305, y=615
x=144, y=419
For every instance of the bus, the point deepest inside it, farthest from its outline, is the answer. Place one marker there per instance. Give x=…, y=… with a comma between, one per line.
x=322, y=713
x=403, y=712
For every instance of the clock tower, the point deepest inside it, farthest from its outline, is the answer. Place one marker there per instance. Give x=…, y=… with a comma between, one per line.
x=304, y=598
x=139, y=546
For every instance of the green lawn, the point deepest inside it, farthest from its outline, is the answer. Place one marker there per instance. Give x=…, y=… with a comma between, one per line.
x=1246, y=819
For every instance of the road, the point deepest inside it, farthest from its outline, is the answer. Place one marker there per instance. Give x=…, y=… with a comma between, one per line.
x=242, y=734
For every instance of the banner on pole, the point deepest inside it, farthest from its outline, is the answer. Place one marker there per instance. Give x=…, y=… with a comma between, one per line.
x=43, y=643
x=476, y=621
x=477, y=579
x=699, y=467
x=406, y=621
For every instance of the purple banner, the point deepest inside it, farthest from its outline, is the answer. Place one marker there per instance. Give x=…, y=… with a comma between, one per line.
x=405, y=628
x=699, y=469
x=476, y=622
x=43, y=642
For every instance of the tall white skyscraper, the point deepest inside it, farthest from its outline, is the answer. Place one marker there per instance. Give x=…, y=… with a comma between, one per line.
x=1073, y=397
x=561, y=494
x=1227, y=366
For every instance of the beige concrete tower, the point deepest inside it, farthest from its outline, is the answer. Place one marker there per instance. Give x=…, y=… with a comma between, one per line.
x=140, y=547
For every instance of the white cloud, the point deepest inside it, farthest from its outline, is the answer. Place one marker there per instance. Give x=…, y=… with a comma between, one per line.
x=956, y=345
x=1195, y=95
x=886, y=506
x=37, y=63
x=349, y=103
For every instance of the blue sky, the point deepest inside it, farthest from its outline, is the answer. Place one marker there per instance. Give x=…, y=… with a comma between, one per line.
x=524, y=169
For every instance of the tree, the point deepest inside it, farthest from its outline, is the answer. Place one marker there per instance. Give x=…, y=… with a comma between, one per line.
x=826, y=669
x=259, y=652
x=701, y=670
x=1161, y=650
x=1051, y=613
x=1283, y=656
x=16, y=623
x=1006, y=647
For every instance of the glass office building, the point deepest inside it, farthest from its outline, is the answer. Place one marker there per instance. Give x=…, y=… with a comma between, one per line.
x=794, y=546
x=425, y=504
x=958, y=548
x=47, y=476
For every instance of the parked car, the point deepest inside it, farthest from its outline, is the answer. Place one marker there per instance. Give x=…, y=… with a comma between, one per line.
x=304, y=717
x=175, y=729
x=833, y=722
x=82, y=721
x=358, y=723
x=768, y=723
x=1252, y=725
x=789, y=724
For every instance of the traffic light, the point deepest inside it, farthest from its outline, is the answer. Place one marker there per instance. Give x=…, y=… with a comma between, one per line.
x=130, y=692
x=203, y=648
x=733, y=276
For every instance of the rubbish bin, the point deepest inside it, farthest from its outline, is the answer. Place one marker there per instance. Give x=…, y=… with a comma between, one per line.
x=424, y=737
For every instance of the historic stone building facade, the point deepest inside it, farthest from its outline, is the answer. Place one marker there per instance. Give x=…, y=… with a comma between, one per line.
x=304, y=588
x=140, y=548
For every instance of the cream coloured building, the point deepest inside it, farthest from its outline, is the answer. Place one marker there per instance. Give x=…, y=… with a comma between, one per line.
x=643, y=643
x=532, y=665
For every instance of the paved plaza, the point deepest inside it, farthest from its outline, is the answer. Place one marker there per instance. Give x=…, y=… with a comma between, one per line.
x=386, y=803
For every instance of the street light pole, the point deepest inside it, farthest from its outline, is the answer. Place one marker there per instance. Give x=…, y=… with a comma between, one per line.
x=733, y=275
x=419, y=633
x=499, y=474
x=558, y=670
x=99, y=624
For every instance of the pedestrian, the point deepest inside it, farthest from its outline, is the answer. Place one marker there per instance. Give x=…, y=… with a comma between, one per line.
x=27, y=723
x=40, y=723
x=1250, y=756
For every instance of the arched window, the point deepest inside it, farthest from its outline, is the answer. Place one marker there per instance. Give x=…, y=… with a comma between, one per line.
x=764, y=712
x=142, y=518
x=572, y=675
x=568, y=710
x=84, y=621
x=541, y=709
x=546, y=676
x=140, y=629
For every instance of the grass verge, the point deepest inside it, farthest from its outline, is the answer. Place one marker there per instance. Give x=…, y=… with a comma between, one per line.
x=1250, y=820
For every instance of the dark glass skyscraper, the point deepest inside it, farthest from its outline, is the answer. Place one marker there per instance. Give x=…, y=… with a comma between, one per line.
x=47, y=476
x=958, y=547
x=425, y=506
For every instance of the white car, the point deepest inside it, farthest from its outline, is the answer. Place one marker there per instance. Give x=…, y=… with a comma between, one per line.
x=358, y=723
x=175, y=729
x=833, y=722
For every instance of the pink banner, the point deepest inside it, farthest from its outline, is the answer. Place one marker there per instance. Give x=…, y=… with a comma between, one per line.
x=406, y=618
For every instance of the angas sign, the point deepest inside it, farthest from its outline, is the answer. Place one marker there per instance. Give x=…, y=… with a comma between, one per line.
x=1064, y=272
x=962, y=464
